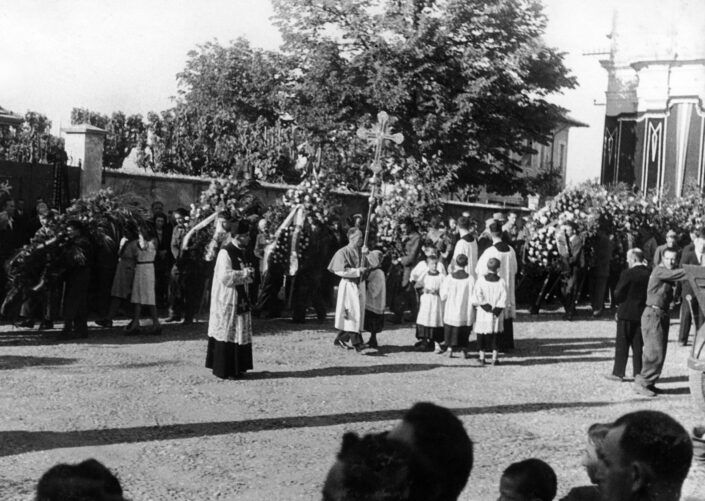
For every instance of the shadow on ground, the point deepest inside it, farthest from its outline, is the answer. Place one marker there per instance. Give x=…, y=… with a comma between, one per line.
x=19, y=442
x=8, y=362
x=345, y=371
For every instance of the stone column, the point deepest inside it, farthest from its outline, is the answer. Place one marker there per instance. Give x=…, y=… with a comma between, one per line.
x=84, y=147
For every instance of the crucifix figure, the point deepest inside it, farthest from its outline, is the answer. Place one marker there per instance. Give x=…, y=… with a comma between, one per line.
x=377, y=135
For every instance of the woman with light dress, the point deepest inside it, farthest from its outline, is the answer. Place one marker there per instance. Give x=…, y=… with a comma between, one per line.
x=143, y=285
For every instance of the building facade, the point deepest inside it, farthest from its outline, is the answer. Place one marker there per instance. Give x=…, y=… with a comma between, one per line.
x=654, y=134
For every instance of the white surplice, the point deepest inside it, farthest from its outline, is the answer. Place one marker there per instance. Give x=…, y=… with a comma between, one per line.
x=494, y=294
x=507, y=270
x=430, y=304
x=456, y=294
x=419, y=273
x=467, y=245
x=224, y=323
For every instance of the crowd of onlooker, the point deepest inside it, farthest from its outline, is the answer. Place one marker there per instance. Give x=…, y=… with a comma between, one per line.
x=428, y=456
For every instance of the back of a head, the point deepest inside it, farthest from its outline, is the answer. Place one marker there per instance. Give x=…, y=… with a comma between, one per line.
x=464, y=223
x=376, y=468
x=533, y=479
x=495, y=228
x=86, y=481
x=659, y=441
x=637, y=254
x=440, y=437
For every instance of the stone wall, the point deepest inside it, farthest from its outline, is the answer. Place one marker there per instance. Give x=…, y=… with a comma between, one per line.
x=181, y=191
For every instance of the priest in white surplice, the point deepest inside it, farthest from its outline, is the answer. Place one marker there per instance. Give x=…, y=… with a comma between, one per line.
x=230, y=322
x=466, y=245
x=507, y=270
x=349, y=264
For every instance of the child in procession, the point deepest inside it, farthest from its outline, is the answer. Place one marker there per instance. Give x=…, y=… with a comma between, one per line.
x=376, y=291
x=417, y=275
x=490, y=297
x=429, y=322
x=459, y=312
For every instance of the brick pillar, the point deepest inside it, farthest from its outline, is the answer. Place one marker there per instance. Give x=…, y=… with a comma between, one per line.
x=84, y=147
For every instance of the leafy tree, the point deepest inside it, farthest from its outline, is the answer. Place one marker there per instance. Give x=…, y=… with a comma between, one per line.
x=467, y=79
x=31, y=141
x=122, y=133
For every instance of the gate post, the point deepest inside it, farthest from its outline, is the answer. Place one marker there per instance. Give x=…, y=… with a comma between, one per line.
x=84, y=147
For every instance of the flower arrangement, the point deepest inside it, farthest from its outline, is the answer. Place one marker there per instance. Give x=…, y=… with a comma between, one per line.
x=230, y=194
x=618, y=210
x=315, y=198
x=5, y=188
x=105, y=215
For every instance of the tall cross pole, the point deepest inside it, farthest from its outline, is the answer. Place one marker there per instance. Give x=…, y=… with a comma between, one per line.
x=376, y=136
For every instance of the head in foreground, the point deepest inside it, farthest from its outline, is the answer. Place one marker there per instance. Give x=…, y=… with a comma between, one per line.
x=528, y=480
x=646, y=455
x=376, y=468
x=86, y=481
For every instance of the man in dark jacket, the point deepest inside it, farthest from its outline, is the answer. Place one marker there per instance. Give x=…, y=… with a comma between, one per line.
x=630, y=294
x=402, y=295
x=690, y=311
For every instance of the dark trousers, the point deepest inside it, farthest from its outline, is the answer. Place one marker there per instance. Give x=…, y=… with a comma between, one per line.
x=268, y=299
x=654, y=330
x=162, y=279
x=40, y=305
x=76, y=300
x=505, y=339
x=185, y=292
x=405, y=300
x=307, y=290
x=487, y=342
x=628, y=335
x=550, y=281
x=354, y=338
x=687, y=319
x=570, y=286
x=598, y=290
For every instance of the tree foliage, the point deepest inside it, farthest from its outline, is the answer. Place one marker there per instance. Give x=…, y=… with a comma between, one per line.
x=467, y=81
x=31, y=141
x=122, y=133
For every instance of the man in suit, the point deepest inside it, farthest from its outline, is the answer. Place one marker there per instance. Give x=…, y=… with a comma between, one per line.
x=694, y=256
x=403, y=296
x=630, y=293
x=570, y=250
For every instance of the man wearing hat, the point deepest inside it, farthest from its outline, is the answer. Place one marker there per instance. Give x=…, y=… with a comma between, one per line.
x=229, y=352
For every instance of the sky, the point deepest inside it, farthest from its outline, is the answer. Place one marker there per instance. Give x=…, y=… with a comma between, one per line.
x=111, y=55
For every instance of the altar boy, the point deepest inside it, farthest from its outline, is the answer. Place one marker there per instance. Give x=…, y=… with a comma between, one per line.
x=458, y=312
x=490, y=297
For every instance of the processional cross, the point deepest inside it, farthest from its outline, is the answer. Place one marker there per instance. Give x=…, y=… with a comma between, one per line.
x=377, y=135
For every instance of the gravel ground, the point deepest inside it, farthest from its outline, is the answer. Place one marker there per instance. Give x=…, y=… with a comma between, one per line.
x=149, y=410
